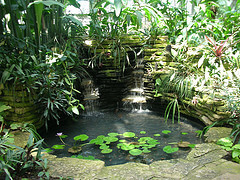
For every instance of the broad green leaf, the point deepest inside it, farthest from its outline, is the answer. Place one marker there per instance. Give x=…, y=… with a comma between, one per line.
x=142, y=132
x=57, y=146
x=118, y=7
x=81, y=137
x=135, y=152
x=157, y=135
x=227, y=142
x=166, y=131
x=236, y=153
x=104, y=146
x=75, y=110
x=38, y=12
x=129, y=134
x=4, y=108
x=106, y=151
x=169, y=149
x=110, y=139
x=46, y=3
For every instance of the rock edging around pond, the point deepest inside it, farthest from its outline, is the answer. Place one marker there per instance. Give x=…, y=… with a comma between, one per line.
x=205, y=161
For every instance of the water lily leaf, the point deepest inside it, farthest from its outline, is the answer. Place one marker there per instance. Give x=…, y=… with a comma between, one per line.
x=146, y=150
x=81, y=137
x=57, y=146
x=157, y=135
x=142, y=132
x=96, y=141
x=104, y=146
x=192, y=145
x=122, y=140
x=106, y=151
x=110, y=139
x=125, y=146
x=135, y=152
x=166, y=131
x=184, y=133
x=169, y=149
x=129, y=134
x=113, y=134
x=63, y=136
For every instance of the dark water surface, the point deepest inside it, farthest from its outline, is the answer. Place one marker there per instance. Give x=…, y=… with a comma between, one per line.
x=102, y=123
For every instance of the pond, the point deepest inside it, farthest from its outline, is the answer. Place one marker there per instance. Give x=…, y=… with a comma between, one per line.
x=144, y=123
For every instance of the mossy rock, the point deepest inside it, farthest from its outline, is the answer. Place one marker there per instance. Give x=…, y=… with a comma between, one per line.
x=20, y=138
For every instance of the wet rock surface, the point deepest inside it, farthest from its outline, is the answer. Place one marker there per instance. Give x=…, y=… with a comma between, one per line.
x=205, y=161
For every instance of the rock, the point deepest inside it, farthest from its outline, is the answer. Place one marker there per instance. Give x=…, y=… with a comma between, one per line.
x=216, y=133
x=20, y=138
x=126, y=171
x=205, y=153
x=220, y=169
x=183, y=144
x=73, y=167
x=75, y=149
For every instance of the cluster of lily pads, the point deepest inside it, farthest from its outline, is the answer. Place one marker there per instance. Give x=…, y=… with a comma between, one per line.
x=128, y=141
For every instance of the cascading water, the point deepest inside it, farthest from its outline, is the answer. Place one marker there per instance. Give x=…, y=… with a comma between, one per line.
x=91, y=96
x=135, y=99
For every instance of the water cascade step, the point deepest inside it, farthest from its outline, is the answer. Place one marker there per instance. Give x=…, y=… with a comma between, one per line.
x=135, y=96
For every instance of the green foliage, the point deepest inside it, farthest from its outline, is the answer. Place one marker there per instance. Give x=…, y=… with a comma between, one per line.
x=166, y=131
x=81, y=137
x=227, y=144
x=83, y=157
x=16, y=161
x=129, y=134
x=169, y=149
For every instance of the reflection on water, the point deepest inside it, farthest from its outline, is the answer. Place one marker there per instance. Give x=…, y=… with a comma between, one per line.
x=102, y=123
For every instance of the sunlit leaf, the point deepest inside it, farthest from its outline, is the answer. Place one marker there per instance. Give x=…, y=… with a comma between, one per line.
x=81, y=137
x=135, y=152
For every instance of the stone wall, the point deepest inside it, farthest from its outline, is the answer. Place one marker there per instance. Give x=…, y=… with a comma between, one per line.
x=23, y=109
x=114, y=83
x=210, y=106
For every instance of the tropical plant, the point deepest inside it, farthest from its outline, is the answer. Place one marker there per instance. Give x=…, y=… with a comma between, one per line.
x=227, y=144
x=17, y=162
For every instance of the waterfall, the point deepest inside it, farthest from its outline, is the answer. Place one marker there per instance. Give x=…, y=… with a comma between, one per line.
x=91, y=96
x=135, y=97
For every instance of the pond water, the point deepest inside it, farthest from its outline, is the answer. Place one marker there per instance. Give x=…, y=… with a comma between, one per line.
x=102, y=123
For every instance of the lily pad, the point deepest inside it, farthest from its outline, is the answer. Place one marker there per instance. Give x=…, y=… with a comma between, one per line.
x=146, y=150
x=104, y=146
x=142, y=132
x=110, y=139
x=81, y=137
x=157, y=135
x=169, y=149
x=57, y=146
x=135, y=152
x=97, y=141
x=125, y=146
x=184, y=133
x=106, y=151
x=166, y=131
x=129, y=134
